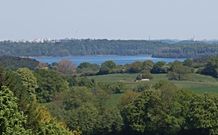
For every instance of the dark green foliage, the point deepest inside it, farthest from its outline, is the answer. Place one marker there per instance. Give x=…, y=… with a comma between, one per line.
x=143, y=87
x=107, y=67
x=159, y=68
x=113, y=88
x=84, y=81
x=2, y=75
x=178, y=71
x=188, y=63
x=211, y=67
x=13, y=82
x=17, y=62
x=135, y=67
x=85, y=117
x=88, y=68
x=144, y=75
x=147, y=65
x=77, y=97
x=86, y=109
x=110, y=122
x=202, y=114
x=81, y=81
x=91, y=120
x=50, y=83
x=117, y=88
x=156, y=48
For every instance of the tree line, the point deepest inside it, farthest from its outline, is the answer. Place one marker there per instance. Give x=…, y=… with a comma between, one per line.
x=177, y=70
x=67, y=47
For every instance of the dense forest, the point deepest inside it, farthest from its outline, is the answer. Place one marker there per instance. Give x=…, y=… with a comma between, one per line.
x=156, y=48
x=63, y=99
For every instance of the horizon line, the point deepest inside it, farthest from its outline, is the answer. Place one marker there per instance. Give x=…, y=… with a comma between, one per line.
x=109, y=39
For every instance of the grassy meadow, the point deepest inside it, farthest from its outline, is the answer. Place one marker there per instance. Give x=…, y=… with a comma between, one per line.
x=196, y=83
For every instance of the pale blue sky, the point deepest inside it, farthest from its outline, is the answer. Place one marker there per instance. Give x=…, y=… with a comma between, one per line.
x=112, y=19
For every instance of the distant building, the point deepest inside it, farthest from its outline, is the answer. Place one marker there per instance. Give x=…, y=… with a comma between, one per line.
x=143, y=80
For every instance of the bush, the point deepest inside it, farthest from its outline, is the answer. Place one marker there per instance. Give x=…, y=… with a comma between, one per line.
x=144, y=75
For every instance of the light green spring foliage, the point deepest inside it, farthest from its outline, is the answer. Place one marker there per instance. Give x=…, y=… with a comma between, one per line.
x=24, y=83
x=11, y=120
x=39, y=119
x=28, y=79
x=166, y=110
x=54, y=128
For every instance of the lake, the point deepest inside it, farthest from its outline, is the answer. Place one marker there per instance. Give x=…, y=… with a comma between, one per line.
x=98, y=59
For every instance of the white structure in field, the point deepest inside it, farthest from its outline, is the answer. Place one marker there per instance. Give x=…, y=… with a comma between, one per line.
x=143, y=80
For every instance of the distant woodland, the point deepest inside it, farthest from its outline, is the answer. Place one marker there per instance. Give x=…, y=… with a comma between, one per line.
x=156, y=48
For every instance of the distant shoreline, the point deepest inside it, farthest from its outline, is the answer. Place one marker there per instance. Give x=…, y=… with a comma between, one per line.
x=100, y=55
x=99, y=59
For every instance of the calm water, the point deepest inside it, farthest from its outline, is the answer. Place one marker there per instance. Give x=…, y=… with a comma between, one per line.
x=98, y=59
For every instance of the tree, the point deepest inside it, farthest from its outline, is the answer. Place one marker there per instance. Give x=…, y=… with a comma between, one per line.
x=148, y=65
x=128, y=97
x=2, y=76
x=117, y=88
x=11, y=120
x=211, y=67
x=107, y=67
x=85, y=118
x=50, y=84
x=137, y=118
x=188, y=62
x=135, y=67
x=202, y=115
x=14, y=83
x=11, y=62
x=178, y=71
x=143, y=86
x=86, y=68
x=159, y=68
x=84, y=81
x=43, y=123
x=28, y=80
x=77, y=97
x=27, y=94
x=66, y=67
x=144, y=75
x=110, y=122
x=154, y=111
x=54, y=128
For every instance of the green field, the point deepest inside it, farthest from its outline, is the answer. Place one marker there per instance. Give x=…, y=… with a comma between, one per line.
x=197, y=83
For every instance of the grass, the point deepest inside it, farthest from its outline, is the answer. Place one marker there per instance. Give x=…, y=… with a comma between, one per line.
x=197, y=83
x=127, y=78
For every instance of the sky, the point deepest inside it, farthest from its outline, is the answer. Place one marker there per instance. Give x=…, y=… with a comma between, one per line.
x=108, y=19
